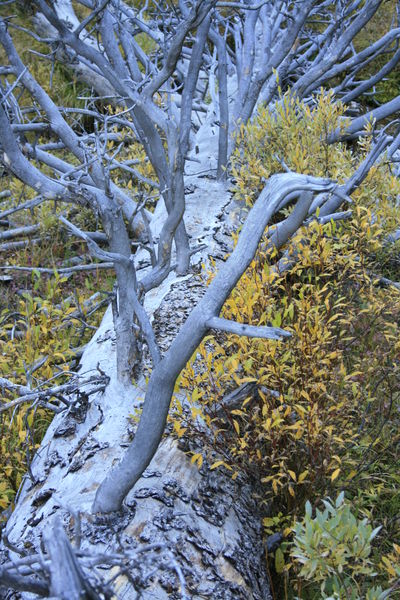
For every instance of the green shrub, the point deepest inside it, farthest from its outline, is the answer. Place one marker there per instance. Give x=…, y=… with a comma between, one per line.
x=334, y=549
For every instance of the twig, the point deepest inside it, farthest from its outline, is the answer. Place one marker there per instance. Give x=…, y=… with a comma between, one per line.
x=269, y=333
x=21, y=244
x=65, y=270
x=26, y=205
x=99, y=384
x=18, y=231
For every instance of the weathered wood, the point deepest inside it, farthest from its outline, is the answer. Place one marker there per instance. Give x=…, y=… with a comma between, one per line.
x=209, y=523
x=67, y=581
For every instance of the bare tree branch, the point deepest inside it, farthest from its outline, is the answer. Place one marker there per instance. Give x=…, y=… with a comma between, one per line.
x=268, y=333
x=110, y=495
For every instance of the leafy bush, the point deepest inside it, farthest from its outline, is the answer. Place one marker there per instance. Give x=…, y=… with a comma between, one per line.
x=334, y=549
x=387, y=88
x=37, y=340
x=322, y=408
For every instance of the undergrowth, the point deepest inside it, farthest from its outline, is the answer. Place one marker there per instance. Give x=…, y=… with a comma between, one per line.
x=322, y=412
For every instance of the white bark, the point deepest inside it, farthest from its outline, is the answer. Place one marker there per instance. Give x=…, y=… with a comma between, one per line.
x=210, y=523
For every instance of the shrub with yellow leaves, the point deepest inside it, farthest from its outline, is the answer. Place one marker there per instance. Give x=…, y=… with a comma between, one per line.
x=37, y=339
x=322, y=410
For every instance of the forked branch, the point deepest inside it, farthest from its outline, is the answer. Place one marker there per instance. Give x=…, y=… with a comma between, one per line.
x=121, y=479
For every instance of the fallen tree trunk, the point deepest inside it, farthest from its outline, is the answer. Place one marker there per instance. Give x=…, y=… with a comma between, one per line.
x=184, y=532
x=209, y=523
x=204, y=529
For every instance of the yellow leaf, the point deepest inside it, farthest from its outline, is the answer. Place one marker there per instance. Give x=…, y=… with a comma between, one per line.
x=195, y=394
x=292, y=475
x=335, y=474
x=388, y=566
x=217, y=464
x=298, y=434
x=179, y=430
x=236, y=426
x=287, y=531
x=196, y=457
x=302, y=476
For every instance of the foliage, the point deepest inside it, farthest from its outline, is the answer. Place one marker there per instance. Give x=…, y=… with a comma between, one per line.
x=387, y=88
x=37, y=341
x=322, y=413
x=295, y=134
x=334, y=549
x=391, y=565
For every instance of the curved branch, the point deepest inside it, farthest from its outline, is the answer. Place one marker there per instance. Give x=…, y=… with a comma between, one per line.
x=358, y=124
x=121, y=479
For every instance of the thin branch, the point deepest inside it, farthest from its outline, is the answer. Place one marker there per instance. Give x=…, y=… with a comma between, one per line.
x=62, y=270
x=240, y=6
x=267, y=333
x=28, y=205
x=21, y=244
x=90, y=17
x=97, y=384
x=94, y=248
x=18, y=231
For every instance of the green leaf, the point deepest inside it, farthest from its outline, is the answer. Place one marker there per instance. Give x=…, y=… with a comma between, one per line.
x=279, y=561
x=339, y=499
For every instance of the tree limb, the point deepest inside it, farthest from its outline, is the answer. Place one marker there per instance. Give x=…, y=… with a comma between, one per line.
x=268, y=333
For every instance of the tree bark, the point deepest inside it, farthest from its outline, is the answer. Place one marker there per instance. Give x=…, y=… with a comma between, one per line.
x=210, y=524
x=205, y=527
